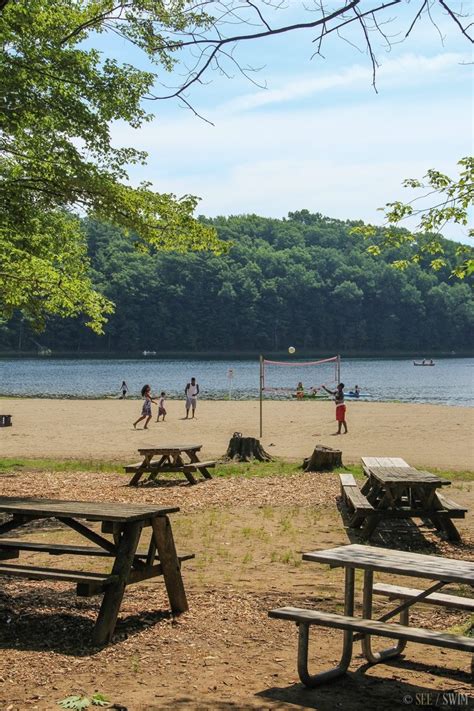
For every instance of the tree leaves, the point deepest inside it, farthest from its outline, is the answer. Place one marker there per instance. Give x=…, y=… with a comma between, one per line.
x=58, y=98
x=78, y=702
x=445, y=200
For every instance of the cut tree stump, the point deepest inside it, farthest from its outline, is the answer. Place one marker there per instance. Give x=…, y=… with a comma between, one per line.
x=245, y=449
x=323, y=459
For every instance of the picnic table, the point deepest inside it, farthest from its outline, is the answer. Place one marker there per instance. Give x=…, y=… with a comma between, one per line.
x=125, y=522
x=441, y=571
x=172, y=458
x=393, y=489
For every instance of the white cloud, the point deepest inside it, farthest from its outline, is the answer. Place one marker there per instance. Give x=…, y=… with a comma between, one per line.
x=344, y=158
x=405, y=70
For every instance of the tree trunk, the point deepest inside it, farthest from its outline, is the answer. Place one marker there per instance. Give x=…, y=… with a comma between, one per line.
x=323, y=459
x=245, y=449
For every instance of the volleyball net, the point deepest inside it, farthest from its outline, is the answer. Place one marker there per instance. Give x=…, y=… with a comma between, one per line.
x=300, y=379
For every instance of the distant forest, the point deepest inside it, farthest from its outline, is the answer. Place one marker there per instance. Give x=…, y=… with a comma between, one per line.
x=305, y=281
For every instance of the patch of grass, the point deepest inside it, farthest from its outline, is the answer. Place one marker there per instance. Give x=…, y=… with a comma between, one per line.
x=59, y=465
x=259, y=534
x=467, y=628
x=285, y=524
x=289, y=558
x=245, y=470
x=256, y=469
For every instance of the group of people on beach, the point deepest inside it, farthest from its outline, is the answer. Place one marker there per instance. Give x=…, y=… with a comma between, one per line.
x=191, y=392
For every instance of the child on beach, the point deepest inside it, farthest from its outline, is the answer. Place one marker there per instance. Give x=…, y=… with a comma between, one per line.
x=161, y=407
x=340, y=407
x=146, y=409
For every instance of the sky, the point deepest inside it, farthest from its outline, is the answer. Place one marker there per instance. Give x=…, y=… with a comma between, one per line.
x=316, y=136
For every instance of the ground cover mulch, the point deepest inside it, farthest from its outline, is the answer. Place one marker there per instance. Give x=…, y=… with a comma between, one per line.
x=224, y=653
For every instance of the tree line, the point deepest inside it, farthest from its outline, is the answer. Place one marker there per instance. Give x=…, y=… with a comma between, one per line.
x=306, y=280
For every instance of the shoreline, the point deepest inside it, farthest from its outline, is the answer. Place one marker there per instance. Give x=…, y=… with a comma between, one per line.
x=437, y=436
x=218, y=398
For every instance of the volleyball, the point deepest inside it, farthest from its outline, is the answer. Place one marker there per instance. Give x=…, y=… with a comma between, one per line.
x=291, y=350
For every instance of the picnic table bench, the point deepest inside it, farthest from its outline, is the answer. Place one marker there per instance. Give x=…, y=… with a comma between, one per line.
x=171, y=460
x=125, y=522
x=393, y=489
x=5, y=420
x=370, y=559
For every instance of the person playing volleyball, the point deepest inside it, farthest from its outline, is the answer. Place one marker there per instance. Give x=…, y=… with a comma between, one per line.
x=340, y=407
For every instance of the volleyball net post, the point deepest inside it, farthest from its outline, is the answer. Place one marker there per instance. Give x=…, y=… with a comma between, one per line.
x=262, y=385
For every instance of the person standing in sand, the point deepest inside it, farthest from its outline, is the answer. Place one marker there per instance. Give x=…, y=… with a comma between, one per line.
x=191, y=391
x=340, y=407
x=161, y=407
x=146, y=409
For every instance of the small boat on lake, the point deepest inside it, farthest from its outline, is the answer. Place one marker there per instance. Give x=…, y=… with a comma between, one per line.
x=424, y=362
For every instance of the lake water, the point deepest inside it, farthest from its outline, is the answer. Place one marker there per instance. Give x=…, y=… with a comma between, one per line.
x=449, y=382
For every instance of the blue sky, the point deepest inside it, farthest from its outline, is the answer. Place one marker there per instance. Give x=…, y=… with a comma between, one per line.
x=318, y=136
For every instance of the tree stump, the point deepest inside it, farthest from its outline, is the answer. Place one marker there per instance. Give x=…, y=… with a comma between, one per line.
x=245, y=449
x=323, y=459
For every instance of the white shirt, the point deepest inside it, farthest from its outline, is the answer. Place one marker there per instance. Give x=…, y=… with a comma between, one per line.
x=192, y=390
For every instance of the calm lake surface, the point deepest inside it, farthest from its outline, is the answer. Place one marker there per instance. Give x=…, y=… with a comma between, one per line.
x=449, y=382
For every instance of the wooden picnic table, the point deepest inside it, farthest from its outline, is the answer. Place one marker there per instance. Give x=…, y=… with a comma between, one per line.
x=441, y=571
x=399, y=491
x=181, y=458
x=125, y=522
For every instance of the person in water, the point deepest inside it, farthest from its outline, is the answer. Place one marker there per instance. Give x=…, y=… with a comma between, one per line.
x=340, y=407
x=356, y=391
x=300, y=391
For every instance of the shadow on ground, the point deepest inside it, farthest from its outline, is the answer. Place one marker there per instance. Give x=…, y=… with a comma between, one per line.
x=67, y=632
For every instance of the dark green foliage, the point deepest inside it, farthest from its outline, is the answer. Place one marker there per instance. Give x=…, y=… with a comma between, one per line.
x=306, y=281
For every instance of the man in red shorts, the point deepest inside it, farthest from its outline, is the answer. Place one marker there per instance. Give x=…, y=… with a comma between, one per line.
x=340, y=407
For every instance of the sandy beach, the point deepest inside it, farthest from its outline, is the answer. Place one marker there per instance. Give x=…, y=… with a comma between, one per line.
x=424, y=435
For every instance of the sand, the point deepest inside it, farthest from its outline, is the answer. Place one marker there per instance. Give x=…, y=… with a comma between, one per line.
x=425, y=435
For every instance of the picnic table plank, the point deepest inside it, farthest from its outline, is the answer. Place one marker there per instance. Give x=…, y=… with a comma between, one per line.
x=394, y=561
x=90, y=510
x=406, y=475
x=374, y=627
x=40, y=573
x=383, y=462
x=170, y=448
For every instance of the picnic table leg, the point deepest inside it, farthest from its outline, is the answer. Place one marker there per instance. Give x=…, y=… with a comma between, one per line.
x=195, y=460
x=443, y=523
x=157, y=466
x=105, y=624
x=374, y=657
x=141, y=469
x=313, y=680
x=170, y=565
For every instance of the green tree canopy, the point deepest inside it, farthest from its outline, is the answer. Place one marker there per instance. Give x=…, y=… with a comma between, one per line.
x=59, y=95
x=58, y=98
